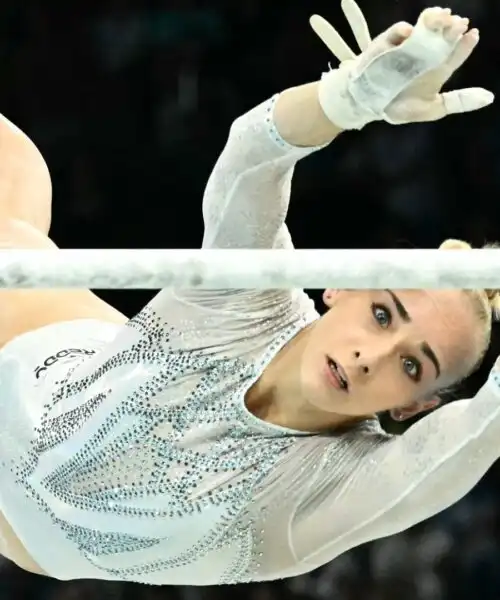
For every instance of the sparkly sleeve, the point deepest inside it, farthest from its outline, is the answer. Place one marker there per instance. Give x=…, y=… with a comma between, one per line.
x=246, y=198
x=382, y=488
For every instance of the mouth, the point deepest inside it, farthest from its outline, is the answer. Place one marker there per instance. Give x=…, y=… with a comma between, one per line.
x=336, y=375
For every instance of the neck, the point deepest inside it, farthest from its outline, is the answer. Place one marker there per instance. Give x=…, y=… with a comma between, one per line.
x=277, y=396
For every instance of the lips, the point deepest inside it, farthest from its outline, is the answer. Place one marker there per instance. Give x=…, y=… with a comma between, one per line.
x=337, y=374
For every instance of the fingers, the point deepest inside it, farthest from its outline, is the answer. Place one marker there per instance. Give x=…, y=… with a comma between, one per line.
x=455, y=28
x=442, y=21
x=458, y=101
x=460, y=54
x=357, y=22
x=466, y=100
x=464, y=49
x=332, y=40
x=435, y=18
x=392, y=37
x=398, y=33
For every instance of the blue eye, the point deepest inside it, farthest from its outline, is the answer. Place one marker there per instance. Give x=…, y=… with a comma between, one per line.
x=412, y=368
x=382, y=315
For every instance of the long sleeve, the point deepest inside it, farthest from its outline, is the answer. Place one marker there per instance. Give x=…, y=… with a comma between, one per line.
x=381, y=485
x=247, y=196
x=245, y=206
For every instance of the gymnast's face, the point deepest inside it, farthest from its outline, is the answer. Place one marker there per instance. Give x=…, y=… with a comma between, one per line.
x=379, y=350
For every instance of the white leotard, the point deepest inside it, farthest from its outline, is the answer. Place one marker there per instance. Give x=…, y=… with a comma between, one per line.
x=127, y=453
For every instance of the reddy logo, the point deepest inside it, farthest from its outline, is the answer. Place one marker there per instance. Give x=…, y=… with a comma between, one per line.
x=62, y=354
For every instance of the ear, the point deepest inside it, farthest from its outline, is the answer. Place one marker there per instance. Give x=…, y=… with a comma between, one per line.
x=329, y=297
x=407, y=412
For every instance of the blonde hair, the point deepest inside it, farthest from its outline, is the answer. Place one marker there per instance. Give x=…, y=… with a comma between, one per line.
x=486, y=303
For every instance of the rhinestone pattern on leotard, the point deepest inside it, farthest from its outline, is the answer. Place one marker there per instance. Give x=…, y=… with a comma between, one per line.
x=149, y=469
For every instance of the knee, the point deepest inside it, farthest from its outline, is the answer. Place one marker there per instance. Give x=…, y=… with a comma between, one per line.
x=15, y=233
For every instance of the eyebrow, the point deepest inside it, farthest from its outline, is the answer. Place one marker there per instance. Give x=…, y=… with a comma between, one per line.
x=425, y=348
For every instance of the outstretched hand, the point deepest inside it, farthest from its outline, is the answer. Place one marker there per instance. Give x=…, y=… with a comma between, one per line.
x=398, y=76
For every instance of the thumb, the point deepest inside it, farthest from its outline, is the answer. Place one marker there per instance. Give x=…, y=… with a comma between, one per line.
x=458, y=101
x=388, y=40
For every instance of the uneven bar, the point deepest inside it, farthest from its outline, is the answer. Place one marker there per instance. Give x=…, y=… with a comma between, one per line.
x=250, y=269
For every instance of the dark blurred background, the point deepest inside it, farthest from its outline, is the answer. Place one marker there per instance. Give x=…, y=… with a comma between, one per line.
x=131, y=105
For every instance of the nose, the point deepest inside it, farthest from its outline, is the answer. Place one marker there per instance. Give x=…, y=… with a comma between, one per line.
x=368, y=361
x=364, y=368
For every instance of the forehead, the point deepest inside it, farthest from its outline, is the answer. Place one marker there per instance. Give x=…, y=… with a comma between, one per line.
x=445, y=319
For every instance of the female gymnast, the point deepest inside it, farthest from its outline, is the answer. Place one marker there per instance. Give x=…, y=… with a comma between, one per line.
x=226, y=436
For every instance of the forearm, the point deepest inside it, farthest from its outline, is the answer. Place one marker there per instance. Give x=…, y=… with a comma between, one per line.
x=300, y=120
x=246, y=198
x=410, y=478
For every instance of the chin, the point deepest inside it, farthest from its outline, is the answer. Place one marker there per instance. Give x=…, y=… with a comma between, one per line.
x=328, y=401
x=340, y=404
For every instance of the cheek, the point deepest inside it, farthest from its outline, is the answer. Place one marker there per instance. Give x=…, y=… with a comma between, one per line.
x=348, y=324
x=389, y=387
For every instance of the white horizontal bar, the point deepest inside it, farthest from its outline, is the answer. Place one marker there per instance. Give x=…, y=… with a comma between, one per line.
x=154, y=269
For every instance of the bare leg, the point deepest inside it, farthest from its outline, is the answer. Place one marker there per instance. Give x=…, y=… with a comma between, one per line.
x=25, y=185
x=25, y=214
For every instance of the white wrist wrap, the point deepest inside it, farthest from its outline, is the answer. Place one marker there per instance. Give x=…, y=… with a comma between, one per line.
x=338, y=104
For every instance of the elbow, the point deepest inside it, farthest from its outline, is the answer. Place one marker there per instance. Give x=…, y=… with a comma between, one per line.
x=237, y=130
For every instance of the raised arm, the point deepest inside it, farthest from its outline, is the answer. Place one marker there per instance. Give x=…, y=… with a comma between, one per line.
x=247, y=196
x=393, y=483
x=397, y=78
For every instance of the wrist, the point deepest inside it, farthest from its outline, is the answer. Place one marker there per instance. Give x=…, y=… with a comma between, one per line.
x=337, y=102
x=300, y=120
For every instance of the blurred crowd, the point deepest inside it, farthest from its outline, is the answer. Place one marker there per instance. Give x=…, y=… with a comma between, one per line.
x=131, y=105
